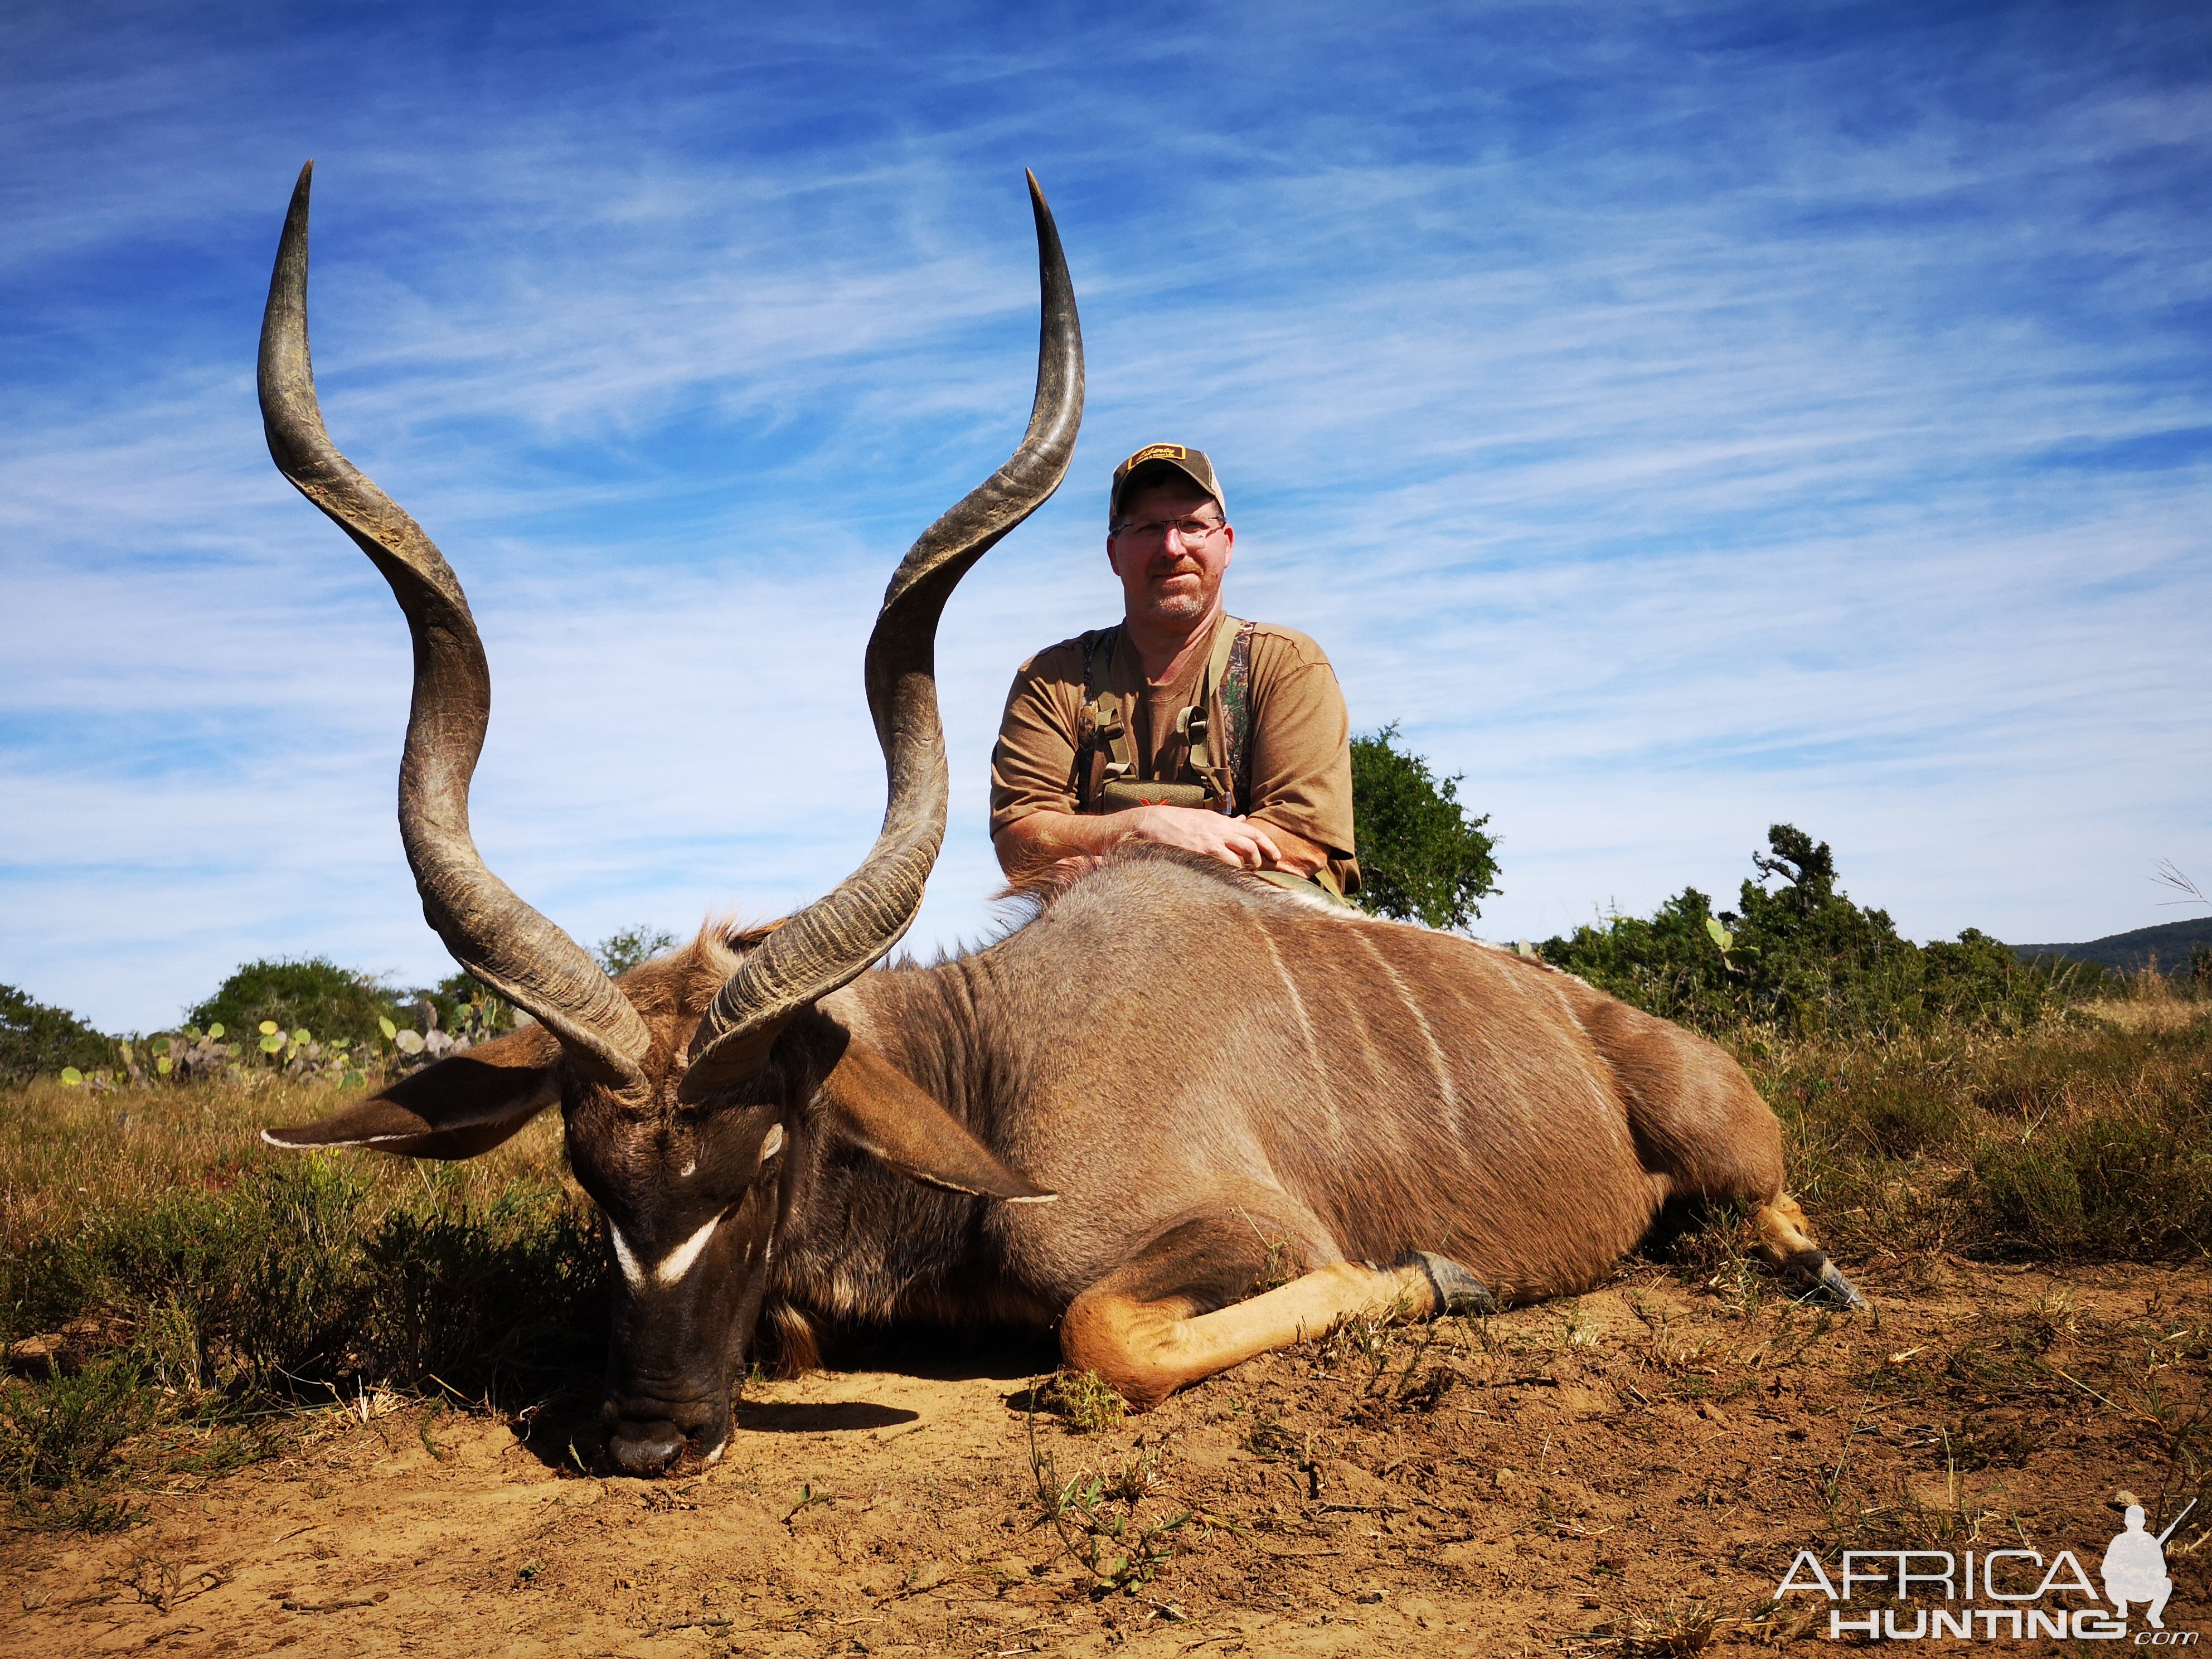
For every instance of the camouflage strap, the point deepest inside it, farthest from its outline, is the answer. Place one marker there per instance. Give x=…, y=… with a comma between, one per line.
x=1235, y=702
x=1195, y=723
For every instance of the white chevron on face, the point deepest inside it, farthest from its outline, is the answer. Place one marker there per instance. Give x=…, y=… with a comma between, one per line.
x=673, y=1266
x=677, y=1262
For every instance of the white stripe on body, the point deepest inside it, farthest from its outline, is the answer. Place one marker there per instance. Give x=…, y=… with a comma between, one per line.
x=1436, y=1061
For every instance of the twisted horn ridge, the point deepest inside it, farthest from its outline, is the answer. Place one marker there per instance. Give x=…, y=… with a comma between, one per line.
x=489, y=931
x=837, y=937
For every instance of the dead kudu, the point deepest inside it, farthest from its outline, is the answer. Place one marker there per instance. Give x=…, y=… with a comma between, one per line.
x=1207, y=1082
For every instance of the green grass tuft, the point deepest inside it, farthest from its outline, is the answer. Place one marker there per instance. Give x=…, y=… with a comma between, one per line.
x=1085, y=1402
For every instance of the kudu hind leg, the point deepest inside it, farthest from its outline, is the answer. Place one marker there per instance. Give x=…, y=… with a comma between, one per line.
x=1171, y=1317
x=1706, y=1131
x=1786, y=1240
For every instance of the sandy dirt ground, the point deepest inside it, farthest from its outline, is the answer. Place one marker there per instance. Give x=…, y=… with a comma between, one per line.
x=1631, y=1472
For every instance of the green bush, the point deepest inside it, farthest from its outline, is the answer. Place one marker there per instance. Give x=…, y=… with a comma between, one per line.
x=316, y=995
x=294, y=1278
x=57, y=1437
x=1421, y=858
x=1799, y=957
x=38, y=1041
x=299, y=1283
x=2111, y=1187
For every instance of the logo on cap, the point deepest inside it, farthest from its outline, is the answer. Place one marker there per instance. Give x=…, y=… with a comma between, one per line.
x=1156, y=453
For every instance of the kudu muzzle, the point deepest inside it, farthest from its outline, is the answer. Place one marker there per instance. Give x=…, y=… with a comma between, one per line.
x=681, y=1330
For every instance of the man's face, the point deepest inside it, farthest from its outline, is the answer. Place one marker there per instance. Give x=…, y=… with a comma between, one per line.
x=1171, y=579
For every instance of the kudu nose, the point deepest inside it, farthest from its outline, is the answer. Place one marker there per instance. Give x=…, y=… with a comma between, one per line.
x=643, y=1448
x=647, y=1436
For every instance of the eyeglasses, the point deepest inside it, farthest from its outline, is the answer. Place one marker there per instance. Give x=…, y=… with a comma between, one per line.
x=1192, y=530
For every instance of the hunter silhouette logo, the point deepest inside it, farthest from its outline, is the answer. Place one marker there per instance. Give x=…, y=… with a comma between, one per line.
x=2134, y=1566
x=1937, y=1593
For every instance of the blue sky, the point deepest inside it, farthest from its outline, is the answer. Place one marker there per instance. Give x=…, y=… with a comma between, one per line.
x=1677, y=417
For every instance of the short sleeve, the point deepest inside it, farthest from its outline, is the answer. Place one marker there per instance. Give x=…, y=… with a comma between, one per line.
x=1301, y=746
x=1033, y=763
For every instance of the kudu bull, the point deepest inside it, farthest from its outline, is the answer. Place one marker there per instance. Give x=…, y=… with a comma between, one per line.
x=1200, y=1078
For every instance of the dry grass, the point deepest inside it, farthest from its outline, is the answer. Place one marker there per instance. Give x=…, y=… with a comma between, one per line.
x=2086, y=1137
x=67, y=1153
x=171, y=1288
x=2154, y=1002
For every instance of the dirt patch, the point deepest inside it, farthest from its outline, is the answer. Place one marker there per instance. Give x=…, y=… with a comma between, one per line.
x=1631, y=1471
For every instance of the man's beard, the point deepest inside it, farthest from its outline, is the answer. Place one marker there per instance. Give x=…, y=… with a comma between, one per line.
x=1183, y=605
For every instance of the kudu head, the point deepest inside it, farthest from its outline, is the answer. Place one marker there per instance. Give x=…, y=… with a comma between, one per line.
x=682, y=1085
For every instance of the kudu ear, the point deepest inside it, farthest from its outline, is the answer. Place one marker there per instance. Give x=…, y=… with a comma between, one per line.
x=465, y=1104
x=877, y=1107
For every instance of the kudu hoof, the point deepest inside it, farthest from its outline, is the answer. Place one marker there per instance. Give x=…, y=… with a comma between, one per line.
x=1838, y=1290
x=1458, y=1292
x=1823, y=1280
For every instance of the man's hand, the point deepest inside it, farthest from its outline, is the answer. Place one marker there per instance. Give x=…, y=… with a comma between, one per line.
x=1041, y=838
x=1238, y=843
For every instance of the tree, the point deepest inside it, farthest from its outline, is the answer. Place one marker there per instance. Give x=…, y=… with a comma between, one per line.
x=633, y=947
x=37, y=1040
x=314, y=995
x=1421, y=858
x=1798, y=954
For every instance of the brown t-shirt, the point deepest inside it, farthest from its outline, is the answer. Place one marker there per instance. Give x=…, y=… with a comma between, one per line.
x=1300, y=742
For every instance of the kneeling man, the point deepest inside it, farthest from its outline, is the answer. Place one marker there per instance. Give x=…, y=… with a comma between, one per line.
x=1181, y=724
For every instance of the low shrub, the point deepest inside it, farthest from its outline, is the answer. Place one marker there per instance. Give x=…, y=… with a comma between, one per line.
x=162, y=1248
x=298, y=1276
x=2111, y=1186
x=2088, y=1138
x=1800, y=957
x=70, y=1430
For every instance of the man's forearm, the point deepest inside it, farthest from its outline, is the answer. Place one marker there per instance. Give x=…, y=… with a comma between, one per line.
x=1044, y=837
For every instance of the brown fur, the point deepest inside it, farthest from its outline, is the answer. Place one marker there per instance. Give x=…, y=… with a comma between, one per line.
x=1165, y=1041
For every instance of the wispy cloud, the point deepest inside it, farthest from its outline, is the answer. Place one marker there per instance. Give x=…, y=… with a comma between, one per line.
x=1678, y=418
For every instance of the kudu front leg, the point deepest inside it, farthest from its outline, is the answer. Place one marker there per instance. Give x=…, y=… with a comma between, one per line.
x=1785, y=1239
x=1171, y=1317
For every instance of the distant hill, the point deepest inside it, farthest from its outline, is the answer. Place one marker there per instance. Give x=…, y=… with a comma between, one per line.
x=2170, y=942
